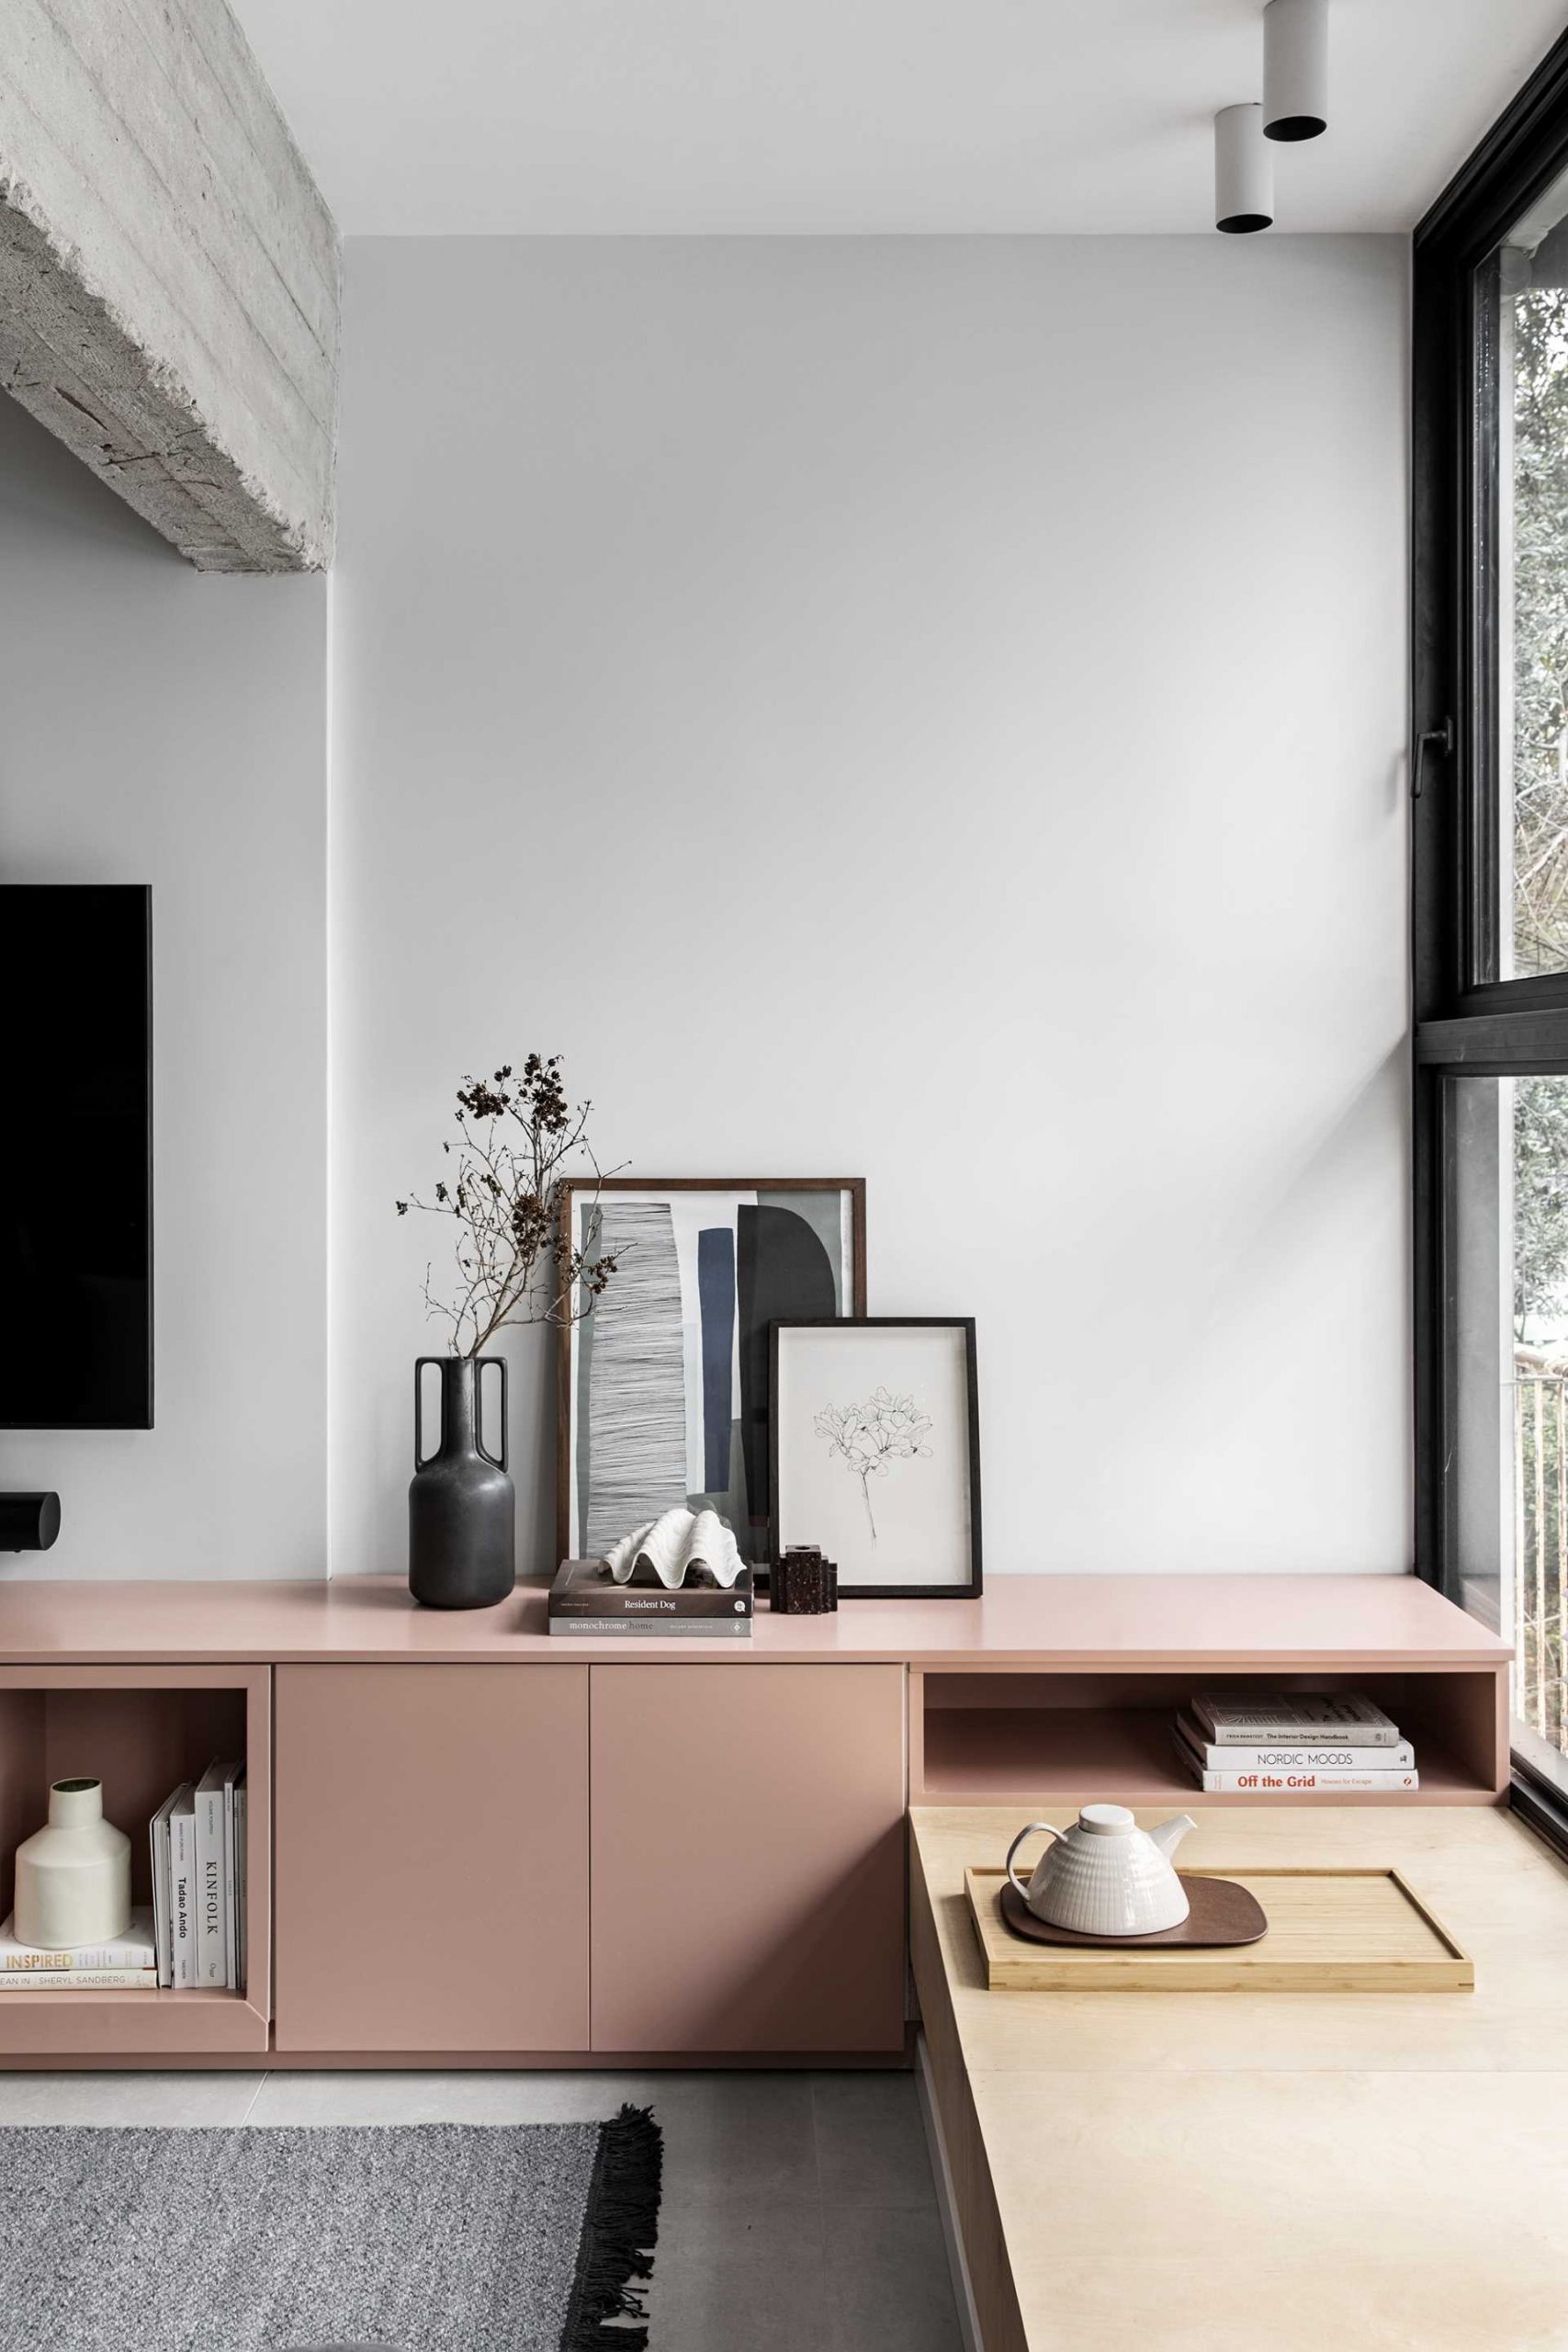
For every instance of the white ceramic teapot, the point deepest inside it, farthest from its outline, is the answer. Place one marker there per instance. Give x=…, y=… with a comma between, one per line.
x=1105, y=1876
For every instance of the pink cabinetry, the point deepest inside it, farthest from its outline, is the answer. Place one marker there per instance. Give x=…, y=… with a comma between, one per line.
x=748, y=1857
x=432, y=1858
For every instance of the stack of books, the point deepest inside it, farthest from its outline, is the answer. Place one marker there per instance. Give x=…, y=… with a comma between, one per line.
x=585, y=1599
x=1293, y=1743
x=128, y=1965
x=199, y=1883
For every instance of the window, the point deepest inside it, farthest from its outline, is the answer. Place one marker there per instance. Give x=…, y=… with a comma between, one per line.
x=1490, y=901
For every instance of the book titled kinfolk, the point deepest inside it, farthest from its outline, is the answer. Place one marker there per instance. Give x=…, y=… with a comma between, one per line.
x=584, y=1599
x=1268, y=1718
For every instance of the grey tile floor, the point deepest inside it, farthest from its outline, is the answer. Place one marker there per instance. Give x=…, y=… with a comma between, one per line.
x=798, y=2211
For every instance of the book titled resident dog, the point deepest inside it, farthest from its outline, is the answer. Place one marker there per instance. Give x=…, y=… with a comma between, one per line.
x=585, y=1599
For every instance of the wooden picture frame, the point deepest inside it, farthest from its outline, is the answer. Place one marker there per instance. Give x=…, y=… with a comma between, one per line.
x=901, y=1432
x=578, y=1526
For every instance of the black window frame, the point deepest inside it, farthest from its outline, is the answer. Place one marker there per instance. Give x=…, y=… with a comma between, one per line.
x=1464, y=1019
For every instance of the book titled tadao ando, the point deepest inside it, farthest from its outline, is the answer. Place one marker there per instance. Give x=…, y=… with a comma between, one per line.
x=584, y=1599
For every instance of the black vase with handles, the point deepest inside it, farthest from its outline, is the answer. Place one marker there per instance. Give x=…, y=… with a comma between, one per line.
x=462, y=1504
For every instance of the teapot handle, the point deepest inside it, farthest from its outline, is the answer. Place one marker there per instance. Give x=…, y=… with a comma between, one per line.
x=1022, y=1892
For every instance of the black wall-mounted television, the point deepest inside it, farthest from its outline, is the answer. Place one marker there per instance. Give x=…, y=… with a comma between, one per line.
x=76, y=1155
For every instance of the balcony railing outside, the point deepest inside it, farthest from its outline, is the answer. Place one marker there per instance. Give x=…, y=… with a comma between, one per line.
x=1541, y=1551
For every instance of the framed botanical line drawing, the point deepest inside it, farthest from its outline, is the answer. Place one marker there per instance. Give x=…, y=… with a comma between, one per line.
x=663, y=1384
x=876, y=1452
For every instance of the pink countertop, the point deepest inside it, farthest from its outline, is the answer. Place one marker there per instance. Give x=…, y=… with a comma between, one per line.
x=1277, y=1622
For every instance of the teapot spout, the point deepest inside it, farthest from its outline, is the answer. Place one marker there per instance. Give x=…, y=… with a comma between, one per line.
x=1169, y=1834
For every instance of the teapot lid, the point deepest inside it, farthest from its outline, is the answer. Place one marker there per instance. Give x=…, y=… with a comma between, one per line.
x=1106, y=1820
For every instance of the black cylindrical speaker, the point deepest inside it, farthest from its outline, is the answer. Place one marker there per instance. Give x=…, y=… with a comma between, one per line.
x=28, y=1522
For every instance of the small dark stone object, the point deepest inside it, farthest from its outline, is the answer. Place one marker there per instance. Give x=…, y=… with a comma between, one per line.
x=803, y=1584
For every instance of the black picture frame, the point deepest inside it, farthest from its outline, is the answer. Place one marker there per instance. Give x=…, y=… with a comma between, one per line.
x=970, y=1587
x=573, y=1193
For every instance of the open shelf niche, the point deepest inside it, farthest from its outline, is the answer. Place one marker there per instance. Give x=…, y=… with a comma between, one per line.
x=1003, y=1738
x=140, y=1731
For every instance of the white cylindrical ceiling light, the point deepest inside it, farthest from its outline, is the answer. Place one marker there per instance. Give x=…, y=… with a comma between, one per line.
x=1295, y=68
x=1243, y=171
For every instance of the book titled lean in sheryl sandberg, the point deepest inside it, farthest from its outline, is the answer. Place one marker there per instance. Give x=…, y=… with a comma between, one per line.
x=127, y=1963
x=584, y=1599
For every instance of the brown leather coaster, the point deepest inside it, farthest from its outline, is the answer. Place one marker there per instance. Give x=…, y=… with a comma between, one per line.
x=1221, y=1912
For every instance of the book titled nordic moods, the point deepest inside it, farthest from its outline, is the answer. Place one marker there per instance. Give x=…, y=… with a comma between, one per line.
x=585, y=1599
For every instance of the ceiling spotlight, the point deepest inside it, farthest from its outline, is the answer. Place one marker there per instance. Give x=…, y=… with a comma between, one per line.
x=1295, y=68
x=1244, y=170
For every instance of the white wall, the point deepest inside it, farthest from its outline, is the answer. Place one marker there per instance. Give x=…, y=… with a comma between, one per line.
x=930, y=710
x=160, y=726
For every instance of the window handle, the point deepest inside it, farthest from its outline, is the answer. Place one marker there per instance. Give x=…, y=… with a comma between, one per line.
x=1442, y=739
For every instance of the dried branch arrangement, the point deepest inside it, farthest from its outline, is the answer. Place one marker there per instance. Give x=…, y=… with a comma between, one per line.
x=514, y=1260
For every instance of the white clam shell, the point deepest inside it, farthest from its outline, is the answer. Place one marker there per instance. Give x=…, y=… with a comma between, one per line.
x=673, y=1542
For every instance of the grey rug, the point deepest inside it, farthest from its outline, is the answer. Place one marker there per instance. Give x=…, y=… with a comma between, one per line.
x=425, y=2238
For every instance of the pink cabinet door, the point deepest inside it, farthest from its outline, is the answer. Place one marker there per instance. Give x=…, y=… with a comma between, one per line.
x=432, y=1858
x=748, y=1857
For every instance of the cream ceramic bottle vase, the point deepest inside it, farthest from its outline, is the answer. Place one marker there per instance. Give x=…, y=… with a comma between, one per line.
x=74, y=1875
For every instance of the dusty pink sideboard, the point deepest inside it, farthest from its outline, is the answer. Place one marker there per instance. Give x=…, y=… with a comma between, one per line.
x=474, y=1844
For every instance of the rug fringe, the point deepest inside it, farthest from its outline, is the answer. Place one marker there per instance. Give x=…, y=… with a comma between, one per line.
x=620, y=2229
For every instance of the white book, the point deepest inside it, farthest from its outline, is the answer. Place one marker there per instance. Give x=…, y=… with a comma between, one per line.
x=242, y=1869
x=1318, y=1756
x=212, y=1934
x=83, y=1980
x=137, y=1949
x=232, y=1773
x=158, y=1831
x=1264, y=1718
x=182, y=1887
x=1279, y=1782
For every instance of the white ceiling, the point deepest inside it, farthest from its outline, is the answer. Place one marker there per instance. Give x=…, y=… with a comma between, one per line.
x=835, y=116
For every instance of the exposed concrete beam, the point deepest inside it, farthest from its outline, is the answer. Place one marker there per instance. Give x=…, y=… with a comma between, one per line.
x=169, y=275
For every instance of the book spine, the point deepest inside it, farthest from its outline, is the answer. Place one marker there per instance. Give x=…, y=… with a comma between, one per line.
x=211, y=1959
x=242, y=1897
x=64, y=1963
x=642, y=1606
x=669, y=1629
x=1323, y=1756
x=231, y=1922
x=1288, y=1733
x=84, y=1980
x=182, y=1890
x=1304, y=1784
x=163, y=1899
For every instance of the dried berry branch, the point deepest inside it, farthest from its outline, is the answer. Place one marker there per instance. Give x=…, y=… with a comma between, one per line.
x=513, y=1256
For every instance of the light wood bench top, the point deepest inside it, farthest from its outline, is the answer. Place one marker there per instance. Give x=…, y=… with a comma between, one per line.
x=1283, y=2172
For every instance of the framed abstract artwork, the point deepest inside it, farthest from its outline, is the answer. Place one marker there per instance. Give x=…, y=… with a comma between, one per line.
x=664, y=1382
x=874, y=1453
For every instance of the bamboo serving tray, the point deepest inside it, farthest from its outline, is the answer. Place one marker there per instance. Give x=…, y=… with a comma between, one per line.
x=1330, y=1930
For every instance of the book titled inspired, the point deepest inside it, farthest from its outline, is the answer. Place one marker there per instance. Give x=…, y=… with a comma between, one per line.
x=135, y=1950
x=1271, y=1718
x=584, y=1599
